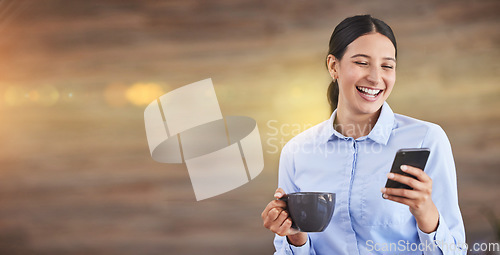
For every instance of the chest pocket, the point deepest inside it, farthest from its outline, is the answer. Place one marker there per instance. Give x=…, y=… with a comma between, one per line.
x=376, y=211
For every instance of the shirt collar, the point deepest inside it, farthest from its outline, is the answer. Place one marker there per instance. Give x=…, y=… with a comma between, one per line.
x=380, y=132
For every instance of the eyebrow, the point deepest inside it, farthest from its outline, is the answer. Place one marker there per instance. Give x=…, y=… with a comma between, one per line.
x=366, y=56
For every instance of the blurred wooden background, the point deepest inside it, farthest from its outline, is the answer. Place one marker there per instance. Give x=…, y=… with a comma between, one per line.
x=76, y=176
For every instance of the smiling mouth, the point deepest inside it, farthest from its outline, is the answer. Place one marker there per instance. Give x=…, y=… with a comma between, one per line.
x=369, y=92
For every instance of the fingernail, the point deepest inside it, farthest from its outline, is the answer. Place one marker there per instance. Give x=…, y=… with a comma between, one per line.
x=404, y=168
x=278, y=195
x=390, y=175
x=383, y=190
x=385, y=196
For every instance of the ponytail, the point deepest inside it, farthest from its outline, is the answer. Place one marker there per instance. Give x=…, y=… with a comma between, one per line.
x=333, y=95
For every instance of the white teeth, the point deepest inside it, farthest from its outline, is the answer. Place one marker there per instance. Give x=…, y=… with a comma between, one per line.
x=370, y=92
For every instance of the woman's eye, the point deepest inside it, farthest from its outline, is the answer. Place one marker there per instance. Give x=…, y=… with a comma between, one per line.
x=361, y=63
x=388, y=67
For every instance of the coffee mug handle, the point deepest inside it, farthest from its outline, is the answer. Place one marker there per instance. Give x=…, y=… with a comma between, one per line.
x=285, y=199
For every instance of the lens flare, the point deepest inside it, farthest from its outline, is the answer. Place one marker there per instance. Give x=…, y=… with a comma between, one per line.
x=33, y=96
x=15, y=96
x=143, y=93
x=48, y=95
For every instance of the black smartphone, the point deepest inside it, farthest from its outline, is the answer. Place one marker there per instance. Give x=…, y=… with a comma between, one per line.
x=411, y=157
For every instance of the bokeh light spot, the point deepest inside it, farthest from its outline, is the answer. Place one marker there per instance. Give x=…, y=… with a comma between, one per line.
x=33, y=96
x=15, y=96
x=143, y=93
x=48, y=95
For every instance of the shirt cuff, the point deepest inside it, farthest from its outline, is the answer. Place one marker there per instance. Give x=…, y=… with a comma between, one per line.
x=441, y=240
x=430, y=237
x=298, y=250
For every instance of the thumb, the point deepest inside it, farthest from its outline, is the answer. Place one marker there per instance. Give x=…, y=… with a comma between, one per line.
x=279, y=193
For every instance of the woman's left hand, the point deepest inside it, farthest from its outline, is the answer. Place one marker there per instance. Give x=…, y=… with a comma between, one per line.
x=419, y=199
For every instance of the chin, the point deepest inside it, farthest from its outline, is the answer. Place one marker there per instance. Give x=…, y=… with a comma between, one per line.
x=370, y=108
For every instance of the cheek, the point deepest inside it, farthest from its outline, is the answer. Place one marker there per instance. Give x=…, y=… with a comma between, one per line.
x=389, y=81
x=350, y=77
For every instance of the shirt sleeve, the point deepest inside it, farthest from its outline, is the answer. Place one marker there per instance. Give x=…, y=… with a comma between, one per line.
x=449, y=237
x=289, y=249
x=285, y=181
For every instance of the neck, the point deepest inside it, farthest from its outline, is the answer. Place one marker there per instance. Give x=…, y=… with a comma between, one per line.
x=355, y=125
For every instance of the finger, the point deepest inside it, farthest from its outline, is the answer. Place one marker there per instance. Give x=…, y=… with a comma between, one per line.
x=412, y=182
x=276, y=225
x=401, y=200
x=285, y=228
x=405, y=193
x=279, y=193
x=274, y=214
x=270, y=218
x=282, y=217
x=271, y=205
x=417, y=172
x=268, y=208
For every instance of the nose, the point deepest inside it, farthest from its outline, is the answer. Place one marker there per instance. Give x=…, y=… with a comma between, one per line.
x=374, y=76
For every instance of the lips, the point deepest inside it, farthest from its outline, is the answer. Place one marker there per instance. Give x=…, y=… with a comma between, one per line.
x=369, y=92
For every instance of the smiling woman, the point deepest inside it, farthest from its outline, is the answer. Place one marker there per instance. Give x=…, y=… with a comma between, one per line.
x=342, y=40
x=365, y=74
x=351, y=154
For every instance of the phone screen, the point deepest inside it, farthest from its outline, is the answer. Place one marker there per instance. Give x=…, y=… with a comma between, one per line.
x=412, y=157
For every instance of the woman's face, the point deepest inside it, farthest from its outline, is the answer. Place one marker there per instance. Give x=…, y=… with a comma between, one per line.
x=365, y=74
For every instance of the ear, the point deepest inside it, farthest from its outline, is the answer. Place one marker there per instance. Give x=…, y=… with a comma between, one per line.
x=332, y=64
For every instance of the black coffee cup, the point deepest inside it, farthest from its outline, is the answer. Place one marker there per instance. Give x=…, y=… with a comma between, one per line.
x=310, y=211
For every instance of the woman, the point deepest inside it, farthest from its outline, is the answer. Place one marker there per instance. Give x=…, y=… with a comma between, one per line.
x=351, y=154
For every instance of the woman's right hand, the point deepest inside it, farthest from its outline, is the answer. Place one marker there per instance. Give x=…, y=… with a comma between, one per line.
x=276, y=219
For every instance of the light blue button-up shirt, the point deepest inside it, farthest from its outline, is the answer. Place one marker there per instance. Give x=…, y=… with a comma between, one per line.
x=322, y=159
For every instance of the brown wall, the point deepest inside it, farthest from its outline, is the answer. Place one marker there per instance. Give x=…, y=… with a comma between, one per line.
x=76, y=176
